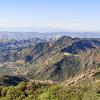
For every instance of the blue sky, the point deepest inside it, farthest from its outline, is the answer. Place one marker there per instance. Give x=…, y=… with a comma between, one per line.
x=50, y=15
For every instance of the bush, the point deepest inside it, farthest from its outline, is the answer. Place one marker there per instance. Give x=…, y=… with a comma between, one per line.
x=21, y=86
x=4, y=91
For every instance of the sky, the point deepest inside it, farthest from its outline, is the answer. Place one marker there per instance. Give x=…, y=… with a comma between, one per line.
x=50, y=15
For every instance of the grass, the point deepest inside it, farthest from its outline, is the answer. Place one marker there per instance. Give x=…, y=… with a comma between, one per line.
x=67, y=54
x=39, y=91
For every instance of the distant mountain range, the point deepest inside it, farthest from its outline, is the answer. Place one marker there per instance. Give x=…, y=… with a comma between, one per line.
x=49, y=35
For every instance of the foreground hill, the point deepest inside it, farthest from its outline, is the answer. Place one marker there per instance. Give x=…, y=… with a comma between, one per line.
x=86, y=90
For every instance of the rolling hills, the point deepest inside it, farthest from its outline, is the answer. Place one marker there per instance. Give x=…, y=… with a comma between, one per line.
x=66, y=65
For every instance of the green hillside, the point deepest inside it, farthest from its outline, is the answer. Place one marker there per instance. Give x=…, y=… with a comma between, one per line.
x=48, y=91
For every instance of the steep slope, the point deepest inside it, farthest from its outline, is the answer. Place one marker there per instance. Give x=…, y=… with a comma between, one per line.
x=50, y=61
x=13, y=50
x=50, y=47
x=90, y=59
x=57, y=67
x=82, y=46
x=61, y=66
x=67, y=67
x=62, y=42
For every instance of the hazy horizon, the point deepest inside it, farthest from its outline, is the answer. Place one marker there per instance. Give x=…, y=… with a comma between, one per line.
x=50, y=15
x=43, y=30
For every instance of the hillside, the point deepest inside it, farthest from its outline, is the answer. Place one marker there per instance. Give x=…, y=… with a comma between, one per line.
x=65, y=65
x=86, y=90
x=51, y=62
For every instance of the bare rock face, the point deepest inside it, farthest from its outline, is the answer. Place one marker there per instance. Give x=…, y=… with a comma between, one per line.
x=90, y=59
